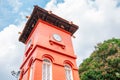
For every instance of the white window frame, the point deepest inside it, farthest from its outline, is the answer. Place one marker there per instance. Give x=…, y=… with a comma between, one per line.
x=28, y=44
x=46, y=66
x=31, y=72
x=68, y=72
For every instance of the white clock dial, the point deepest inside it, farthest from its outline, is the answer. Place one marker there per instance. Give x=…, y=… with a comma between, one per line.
x=57, y=37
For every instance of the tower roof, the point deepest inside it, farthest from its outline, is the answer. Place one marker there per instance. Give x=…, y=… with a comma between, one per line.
x=39, y=13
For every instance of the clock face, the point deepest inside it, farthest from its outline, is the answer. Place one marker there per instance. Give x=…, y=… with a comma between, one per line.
x=57, y=37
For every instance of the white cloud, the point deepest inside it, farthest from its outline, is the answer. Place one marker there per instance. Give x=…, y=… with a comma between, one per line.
x=51, y=4
x=98, y=20
x=11, y=51
x=16, y=4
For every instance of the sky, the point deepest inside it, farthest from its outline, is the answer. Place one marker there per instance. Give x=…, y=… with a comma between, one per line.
x=98, y=20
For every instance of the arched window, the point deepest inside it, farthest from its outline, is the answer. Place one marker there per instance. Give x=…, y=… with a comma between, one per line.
x=68, y=72
x=46, y=70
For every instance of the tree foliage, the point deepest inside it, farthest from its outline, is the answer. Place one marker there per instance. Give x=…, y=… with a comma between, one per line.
x=104, y=62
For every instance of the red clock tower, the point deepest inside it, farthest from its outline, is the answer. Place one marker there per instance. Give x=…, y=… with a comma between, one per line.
x=49, y=52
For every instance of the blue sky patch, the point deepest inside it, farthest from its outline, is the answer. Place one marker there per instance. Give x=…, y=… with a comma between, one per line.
x=9, y=16
x=118, y=4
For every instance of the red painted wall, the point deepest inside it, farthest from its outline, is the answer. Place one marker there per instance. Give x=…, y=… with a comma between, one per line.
x=44, y=46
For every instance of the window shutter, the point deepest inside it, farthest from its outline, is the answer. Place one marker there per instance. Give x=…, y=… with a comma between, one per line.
x=68, y=72
x=46, y=70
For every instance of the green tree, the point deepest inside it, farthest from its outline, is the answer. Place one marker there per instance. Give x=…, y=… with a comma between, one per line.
x=104, y=62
